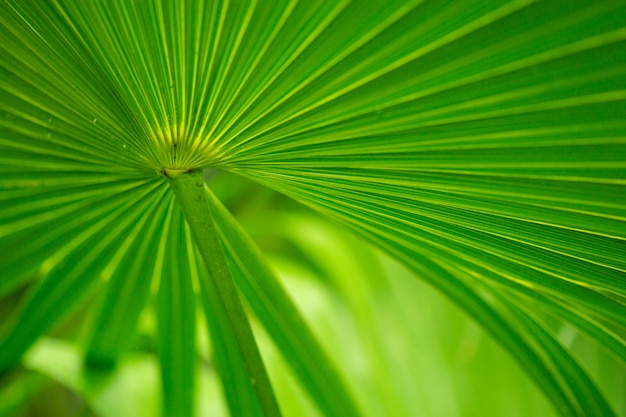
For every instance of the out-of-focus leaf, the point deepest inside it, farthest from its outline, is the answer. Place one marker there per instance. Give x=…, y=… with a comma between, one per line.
x=17, y=390
x=131, y=389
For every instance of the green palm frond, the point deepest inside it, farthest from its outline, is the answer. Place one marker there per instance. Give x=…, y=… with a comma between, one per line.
x=480, y=143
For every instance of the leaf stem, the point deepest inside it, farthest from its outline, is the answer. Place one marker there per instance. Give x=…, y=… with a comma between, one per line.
x=193, y=197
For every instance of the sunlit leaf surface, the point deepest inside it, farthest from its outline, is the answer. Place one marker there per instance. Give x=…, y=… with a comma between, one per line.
x=480, y=143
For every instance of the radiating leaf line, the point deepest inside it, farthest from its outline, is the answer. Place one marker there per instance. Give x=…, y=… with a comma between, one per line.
x=343, y=11
x=377, y=109
x=235, y=380
x=221, y=292
x=317, y=25
x=443, y=40
x=473, y=248
x=528, y=112
x=44, y=251
x=243, y=18
x=281, y=319
x=70, y=281
x=531, y=214
x=272, y=23
x=66, y=207
x=408, y=205
x=577, y=382
x=127, y=290
x=606, y=338
x=601, y=201
x=176, y=323
x=584, y=390
x=496, y=323
x=536, y=277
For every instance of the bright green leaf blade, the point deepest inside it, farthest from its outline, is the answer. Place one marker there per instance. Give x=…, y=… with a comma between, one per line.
x=33, y=241
x=233, y=374
x=605, y=337
x=497, y=321
x=69, y=282
x=281, y=319
x=221, y=294
x=488, y=135
x=176, y=321
x=127, y=290
x=584, y=390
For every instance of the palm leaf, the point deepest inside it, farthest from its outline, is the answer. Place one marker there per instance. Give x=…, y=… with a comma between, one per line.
x=482, y=144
